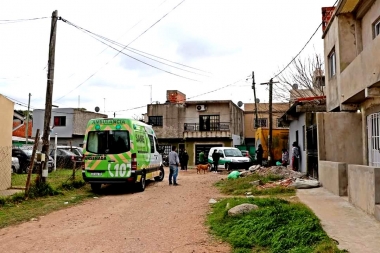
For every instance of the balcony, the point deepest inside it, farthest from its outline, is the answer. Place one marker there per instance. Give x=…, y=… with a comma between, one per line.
x=362, y=73
x=213, y=130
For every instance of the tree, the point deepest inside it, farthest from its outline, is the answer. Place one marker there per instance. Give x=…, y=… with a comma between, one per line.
x=304, y=78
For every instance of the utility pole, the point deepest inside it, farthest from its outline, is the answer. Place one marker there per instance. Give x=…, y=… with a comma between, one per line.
x=254, y=95
x=49, y=94
x=270, y=120
x=27, y=121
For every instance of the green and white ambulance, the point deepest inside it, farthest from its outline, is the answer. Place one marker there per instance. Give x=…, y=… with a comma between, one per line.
x=120, y=151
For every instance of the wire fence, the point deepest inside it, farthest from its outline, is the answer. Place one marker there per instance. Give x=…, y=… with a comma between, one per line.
x=16, y=164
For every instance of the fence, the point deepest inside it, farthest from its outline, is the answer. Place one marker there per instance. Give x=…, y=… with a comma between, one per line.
x=15, y=164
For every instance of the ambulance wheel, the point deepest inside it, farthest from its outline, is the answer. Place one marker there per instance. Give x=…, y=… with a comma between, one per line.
x=96, y=187
x=140, y=186
x=161, y=176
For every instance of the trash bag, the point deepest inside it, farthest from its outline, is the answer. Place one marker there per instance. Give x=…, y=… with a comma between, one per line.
x=234, y=175
x=278, y=163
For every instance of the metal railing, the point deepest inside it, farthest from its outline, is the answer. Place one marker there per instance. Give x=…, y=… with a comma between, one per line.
x=194, y=127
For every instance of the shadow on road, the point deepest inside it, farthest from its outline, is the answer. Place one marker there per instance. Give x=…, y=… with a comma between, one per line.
x=121, y=189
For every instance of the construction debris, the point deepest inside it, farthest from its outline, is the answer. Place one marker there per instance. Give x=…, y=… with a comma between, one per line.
x=282, y=183
x=277, y=170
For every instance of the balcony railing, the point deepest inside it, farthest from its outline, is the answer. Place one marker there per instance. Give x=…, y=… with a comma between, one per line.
x=194, y=127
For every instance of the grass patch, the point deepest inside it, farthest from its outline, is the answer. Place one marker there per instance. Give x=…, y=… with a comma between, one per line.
x=278, y=226
x=242, y=185
x=55, y=178
x=13, y=212
x=43, y=197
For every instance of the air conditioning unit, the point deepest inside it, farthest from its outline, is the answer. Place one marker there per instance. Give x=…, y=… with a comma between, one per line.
x=201, y=108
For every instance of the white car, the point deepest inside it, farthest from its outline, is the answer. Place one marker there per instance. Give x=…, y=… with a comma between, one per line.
x=15, y=165
x=230, y=157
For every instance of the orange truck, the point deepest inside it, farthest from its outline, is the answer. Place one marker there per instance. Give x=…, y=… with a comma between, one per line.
x=279, y=141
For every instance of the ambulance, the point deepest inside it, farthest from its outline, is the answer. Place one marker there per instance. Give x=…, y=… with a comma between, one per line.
x=120, y=151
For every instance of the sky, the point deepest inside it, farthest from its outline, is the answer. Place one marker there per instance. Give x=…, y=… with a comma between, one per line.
x=212, y=46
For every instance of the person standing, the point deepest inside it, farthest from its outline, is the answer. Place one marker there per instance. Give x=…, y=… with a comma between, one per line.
x=285, y=157
x=215, y=159
x=295, y=156
x=180, y=154
x=202, y=157
x=173, y=166
x=259, y=154
x=185, y=160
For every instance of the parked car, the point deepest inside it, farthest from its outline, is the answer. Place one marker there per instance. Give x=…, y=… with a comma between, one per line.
x=15, y=165
x=247, y=154
x=24, y=156
x=66, y=159
x=76, y=150
x=230, y=157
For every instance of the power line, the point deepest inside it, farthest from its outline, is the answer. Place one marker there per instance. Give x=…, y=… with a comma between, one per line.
x=119, y=51
x=131, y=50
x=11, y=21
x=312, y=36
x=208, y=92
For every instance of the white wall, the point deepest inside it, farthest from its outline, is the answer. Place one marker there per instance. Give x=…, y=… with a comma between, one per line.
x=296, y=125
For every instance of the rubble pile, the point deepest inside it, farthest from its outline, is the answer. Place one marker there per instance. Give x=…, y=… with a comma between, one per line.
x=283, y=183
x=276, y=170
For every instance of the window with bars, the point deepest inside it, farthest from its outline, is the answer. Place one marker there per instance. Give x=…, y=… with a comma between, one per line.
x=165, y=148
x=261, y=122
x=332, y=63
x=209, y=123
x=60, y=121
x=155, y=121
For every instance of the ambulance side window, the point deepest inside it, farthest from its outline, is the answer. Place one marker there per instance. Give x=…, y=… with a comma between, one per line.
x=157, y=147
x=151, y=143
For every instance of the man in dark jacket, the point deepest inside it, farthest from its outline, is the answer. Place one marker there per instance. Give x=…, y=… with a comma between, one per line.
x=185, y=160
x=215, y=159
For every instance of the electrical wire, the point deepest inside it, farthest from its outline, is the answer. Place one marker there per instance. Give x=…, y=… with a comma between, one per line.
x=94, y=35
x=119, y=52
x=312, y=36
x=11, y=21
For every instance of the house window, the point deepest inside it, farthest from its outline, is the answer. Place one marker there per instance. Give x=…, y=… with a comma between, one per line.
x=279, y=123
x=209, y=123
x=261, y=122
x=376, y=28
x=155, y=121
x=165, y=149
x=59, y=121
x=332, y=63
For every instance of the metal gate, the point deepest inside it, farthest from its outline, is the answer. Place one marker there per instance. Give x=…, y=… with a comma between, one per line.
x=312, y=151
x=205, y=148
x=373, y=123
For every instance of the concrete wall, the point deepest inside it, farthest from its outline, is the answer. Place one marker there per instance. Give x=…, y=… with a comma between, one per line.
x=62, y=131
x=331, y=40
x=6, y=126
x=333, y=177
x=81, y=119
x=339, y=137
x=296, y=125
x=370, y=17
x=236, y=120
x=364, y=187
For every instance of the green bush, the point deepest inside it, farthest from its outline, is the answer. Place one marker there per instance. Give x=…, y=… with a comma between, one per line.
x=278, y=225
x=41, y=190
x=76, y=184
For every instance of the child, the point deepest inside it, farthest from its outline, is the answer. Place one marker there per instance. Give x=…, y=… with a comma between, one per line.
x=285, y=157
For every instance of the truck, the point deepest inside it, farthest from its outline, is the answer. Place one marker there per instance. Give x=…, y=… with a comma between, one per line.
x=279, y=141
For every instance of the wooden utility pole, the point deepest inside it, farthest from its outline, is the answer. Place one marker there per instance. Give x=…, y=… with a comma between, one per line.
x=270, y=137
x=49, y=94
x=256, y=124
x=31, y=165
x=27, y=121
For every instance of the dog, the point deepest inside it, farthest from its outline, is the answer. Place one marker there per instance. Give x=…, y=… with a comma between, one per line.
x=203, y=167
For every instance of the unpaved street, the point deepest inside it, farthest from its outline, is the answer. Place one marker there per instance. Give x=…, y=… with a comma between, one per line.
x=162, y=219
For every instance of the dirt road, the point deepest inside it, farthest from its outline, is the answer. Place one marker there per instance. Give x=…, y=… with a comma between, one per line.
x=162, y=219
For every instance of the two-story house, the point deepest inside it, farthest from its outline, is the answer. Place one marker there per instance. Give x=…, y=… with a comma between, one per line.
x=196, y=125
x=68, y=123
x=348, y=133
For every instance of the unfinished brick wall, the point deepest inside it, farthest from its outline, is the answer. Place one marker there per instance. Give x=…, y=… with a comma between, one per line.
x=175, y=96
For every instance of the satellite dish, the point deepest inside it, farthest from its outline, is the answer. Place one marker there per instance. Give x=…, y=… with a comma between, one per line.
x=240, y=104
x=257, y=100
x=97, y=109
x=295, y=86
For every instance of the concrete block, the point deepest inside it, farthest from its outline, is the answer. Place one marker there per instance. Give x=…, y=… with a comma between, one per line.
x=333, y=177
x=364, y=187
x=377, y=212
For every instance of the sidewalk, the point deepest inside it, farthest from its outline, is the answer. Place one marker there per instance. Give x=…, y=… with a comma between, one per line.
x=355, y=230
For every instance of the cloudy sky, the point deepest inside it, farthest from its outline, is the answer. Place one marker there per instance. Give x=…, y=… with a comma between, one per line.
x=206, y=44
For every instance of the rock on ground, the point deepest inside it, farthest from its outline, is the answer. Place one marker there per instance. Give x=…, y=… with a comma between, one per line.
x=242, y=209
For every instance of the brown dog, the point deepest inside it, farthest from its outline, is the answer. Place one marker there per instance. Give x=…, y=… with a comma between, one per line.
x=203, y=167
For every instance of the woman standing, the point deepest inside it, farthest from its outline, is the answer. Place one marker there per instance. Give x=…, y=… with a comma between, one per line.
x=259, y=154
